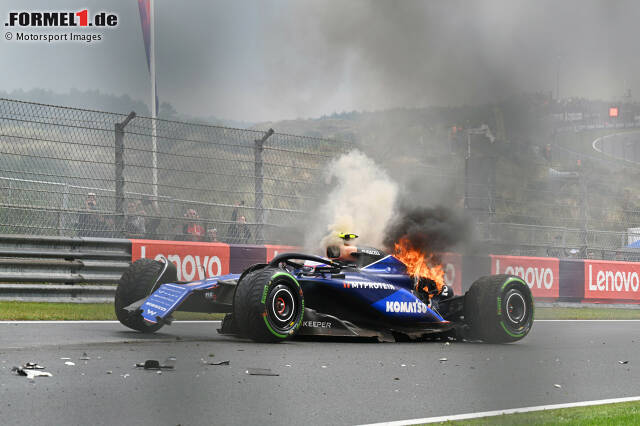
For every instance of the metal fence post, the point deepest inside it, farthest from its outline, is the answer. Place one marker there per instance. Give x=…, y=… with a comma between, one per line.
x=64, y=207
x=259, y=177
x=584, y=248
x=119, y=172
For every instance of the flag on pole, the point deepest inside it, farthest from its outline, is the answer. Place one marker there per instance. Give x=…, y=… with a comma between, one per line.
x=144, y=6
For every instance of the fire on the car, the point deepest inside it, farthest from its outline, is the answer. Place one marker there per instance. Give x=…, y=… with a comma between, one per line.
x=419, y=264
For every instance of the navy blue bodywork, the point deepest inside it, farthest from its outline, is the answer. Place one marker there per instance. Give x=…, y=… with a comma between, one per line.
x=349, y=301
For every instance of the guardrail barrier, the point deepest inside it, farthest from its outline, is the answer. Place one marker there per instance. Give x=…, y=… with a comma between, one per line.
x=78, y=264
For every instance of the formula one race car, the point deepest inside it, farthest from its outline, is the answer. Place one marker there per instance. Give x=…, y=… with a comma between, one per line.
x=365, y=293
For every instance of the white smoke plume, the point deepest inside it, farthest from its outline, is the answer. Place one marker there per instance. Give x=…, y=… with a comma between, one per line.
x=361, y=201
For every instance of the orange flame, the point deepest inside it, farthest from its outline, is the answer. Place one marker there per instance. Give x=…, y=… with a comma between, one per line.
x=419, y=264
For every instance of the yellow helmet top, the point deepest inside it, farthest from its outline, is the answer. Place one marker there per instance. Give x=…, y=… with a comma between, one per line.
x=347, y=237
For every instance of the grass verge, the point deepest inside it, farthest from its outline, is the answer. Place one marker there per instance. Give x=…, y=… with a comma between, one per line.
x=626, y=413
x=587, y=313
x=32, y=311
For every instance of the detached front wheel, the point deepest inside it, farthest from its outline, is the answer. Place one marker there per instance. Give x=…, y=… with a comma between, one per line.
x=136, y=283
x=499, y=309
x=268, y=305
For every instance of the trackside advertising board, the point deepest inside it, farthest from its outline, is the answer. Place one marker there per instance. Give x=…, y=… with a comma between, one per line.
x=452, y=264
x=273, y=251
x=542, y=274
x=611, y=280
x=194, y=261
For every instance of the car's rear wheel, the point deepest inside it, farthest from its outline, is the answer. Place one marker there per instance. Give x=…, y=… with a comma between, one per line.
x=136, y=283
x=268, y=305
x=499, y=309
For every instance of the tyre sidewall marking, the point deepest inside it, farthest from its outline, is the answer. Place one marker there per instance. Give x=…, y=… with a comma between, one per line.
x=265, y=293
x=510, y=333
x=275, y=333
x=527, y=326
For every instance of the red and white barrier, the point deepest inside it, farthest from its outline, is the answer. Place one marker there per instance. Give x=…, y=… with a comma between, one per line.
x=194, y=261
x=542, y=274
x=612, y=280
x=591, y=281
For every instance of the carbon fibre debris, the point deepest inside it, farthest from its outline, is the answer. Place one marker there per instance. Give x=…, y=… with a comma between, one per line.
x=260, y=372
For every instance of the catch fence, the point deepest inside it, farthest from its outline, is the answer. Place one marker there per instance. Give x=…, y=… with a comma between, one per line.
x=74, y=172
x=160, y=179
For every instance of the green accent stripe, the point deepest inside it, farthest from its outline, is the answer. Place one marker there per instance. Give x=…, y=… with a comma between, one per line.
x=533, y=312
x=301, y=316
x=278, y=274
x=510, y=333
x=511, y=279
x=264, y=298
x=266, y=321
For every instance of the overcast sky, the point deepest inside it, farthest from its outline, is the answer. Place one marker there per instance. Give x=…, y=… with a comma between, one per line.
x=269, y=60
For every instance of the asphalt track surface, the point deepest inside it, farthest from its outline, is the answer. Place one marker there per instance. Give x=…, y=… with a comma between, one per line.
x=324, y=382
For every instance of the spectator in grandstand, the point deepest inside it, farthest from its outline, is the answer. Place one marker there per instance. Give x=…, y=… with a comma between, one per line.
x=547, y=153
x=212, y=235
x=152, y=222
x=236, y=207
x=192, y=230
x=240, y=232
x=233, y=228
x=556, y=250
x=91, y=223
x=135, y=223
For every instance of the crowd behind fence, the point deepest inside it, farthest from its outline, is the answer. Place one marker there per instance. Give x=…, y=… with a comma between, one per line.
x=58, y=174
x=60, y=168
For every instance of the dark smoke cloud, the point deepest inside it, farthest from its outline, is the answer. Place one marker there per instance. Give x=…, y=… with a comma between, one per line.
x=258, y=60
x=418, y=53
x=429, y=230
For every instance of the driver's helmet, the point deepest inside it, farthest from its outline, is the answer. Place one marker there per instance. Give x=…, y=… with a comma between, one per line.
x=344, y=251
x=346, y=238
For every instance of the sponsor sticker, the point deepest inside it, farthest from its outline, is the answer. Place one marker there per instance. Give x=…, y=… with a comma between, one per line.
x=409, y=307
x=317, y=324
x=368, y=285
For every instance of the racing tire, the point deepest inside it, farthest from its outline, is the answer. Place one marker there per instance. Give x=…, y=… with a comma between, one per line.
x=136, y=283
x=268, y=305
x=498, y=309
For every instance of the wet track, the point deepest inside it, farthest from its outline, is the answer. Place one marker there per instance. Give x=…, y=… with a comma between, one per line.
x=318, y=382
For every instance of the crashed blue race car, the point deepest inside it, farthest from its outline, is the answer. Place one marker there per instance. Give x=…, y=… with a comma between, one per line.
x=363, y=293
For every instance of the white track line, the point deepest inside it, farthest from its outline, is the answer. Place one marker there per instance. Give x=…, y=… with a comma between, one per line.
x=217, y=321
x=501, y=412
x=587, y=320
x=98, y=322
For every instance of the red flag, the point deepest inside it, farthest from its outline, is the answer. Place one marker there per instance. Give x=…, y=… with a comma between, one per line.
x=144, y=6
